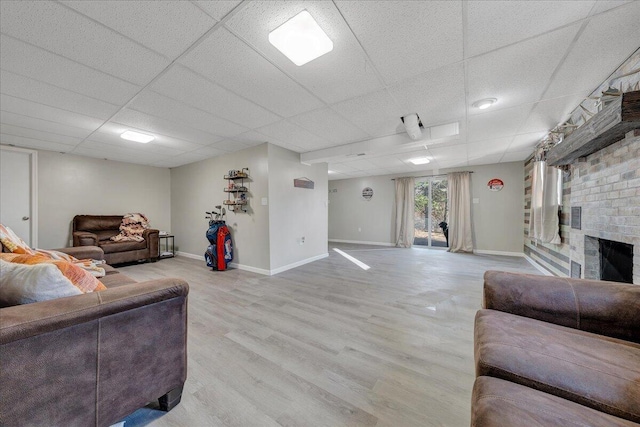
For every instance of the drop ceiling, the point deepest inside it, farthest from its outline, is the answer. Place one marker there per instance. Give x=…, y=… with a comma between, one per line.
x=203, y=78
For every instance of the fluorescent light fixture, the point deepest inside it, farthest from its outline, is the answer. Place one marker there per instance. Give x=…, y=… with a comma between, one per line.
x=420, y=161
x=483, y=104
x=137, y=136
x=301, y=39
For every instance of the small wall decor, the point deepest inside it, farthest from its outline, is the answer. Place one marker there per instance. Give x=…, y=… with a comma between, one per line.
x=304, y=182
x=495, y=184
x=367, y=193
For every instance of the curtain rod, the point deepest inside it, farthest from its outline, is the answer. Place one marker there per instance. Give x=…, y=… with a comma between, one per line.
x=427, y=176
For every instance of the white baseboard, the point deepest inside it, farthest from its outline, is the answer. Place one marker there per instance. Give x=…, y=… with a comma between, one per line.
x=359, y=242
x=503, y=253
x=538, y=266
x=257, y=270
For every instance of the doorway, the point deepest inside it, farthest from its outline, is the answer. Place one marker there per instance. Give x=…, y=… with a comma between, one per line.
x=431, y=212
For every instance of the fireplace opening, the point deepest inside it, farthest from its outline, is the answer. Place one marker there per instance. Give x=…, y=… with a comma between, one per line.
x=616, y=261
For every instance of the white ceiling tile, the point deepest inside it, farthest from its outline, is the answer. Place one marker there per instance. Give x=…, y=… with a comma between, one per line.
x=247, y=73
x=27, y=108
x=341, y=74
x=518, y=74
x=491, y=147
x=160, y=106
x=43, y=93
x=184, y=85
x=437, y=96
x=122, y=154
x=549, y=113
x=453, y=152
x=493, y=24
x=210, y=151
x=343, y=167
x=516, y=156
x=156, y=125
x=330, y=125
x=361, y=164
x=496, y=124
x=526, y=141
x=167, y=27
x=488, y=159
x=250, y=139
x=605, y=43
x=45, y=126
x=30, y=61
x=386, y=161
x=289, y=133
x=38, y=134
x=229, y=145
x=377, y=113
x=36, y=144
x=604, y=5
x=58, y=29
x=407, y=38
x=219, y=8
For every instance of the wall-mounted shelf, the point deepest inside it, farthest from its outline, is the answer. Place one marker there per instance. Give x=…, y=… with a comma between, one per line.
x=237, y=189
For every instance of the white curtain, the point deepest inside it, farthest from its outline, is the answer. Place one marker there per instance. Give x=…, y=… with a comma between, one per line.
x=404, y=211
x=459, y=201
x=546, y=191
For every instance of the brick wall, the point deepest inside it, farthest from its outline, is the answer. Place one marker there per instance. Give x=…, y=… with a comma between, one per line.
x=606, y=185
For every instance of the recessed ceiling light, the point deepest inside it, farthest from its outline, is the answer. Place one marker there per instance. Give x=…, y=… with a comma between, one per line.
x=483, y=104
x=137, y=136
x=301, y=39
x=420, y=160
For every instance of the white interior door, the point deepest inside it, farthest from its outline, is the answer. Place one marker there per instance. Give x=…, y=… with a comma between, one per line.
x=17, y=192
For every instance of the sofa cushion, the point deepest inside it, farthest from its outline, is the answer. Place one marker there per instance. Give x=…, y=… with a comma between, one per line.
x=95, y=223
x=498, y=403
x=117, y=279
x=592, y=370
x=106, y=235
x=111, y=247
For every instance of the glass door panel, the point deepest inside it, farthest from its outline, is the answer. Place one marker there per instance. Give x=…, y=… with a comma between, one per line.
x=431, y=212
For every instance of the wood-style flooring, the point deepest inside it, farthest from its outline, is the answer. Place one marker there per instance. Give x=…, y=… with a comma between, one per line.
x=328, y=343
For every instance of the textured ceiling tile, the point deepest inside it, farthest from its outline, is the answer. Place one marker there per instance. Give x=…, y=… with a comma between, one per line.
x=437, y=96
x=99, y=151
x=518, y=74
x=330, y=125
x=493, y=24
x=607, y=41
x=549, y=113
x=36, y=144
x=488, y=159
x=526, y=141
x=496, y=124
x=386, y=162
x=407, y=38
x=156, y=125
x=58, y=29
x=219, y=8
x=38, y=134
x=248, y=74
x=341, y=74
x=604, y=5
x=43, y=93
x=289, y=133
x=32, y=109
x=377, y=113
x=229, y=145
x=30, y=61
x=46, y=126
x=184, y=85
x=167, y=27
x=516, y=156
x=484, y=148
x=160, y=106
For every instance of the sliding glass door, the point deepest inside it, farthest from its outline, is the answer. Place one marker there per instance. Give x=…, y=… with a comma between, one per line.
x=431, y=212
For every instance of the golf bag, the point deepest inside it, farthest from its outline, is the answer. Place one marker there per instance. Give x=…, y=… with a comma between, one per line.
x=220, y=251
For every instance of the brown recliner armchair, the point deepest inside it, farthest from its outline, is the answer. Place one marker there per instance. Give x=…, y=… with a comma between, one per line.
x=97, y=230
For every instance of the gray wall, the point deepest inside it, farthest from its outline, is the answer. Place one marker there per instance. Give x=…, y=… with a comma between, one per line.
x=70, y=185
x=497, y=217
x=296, y=212
x=198, y=187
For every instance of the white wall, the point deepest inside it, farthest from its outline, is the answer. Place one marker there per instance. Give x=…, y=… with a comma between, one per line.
x=497, y=218
x=198, y=187
x=296, y=212
x=70, y=185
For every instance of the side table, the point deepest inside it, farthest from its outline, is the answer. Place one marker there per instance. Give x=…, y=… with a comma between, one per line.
x=168, y=252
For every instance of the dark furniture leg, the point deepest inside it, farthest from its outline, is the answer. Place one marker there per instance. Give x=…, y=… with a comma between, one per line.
x=171, y=399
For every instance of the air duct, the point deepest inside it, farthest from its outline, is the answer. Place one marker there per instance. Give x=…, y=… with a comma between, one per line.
x=412, y=126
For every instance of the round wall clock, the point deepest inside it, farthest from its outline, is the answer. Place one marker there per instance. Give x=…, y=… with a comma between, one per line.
x=367, y=193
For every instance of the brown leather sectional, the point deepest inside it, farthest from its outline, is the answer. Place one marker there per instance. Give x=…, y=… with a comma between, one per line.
x=97, y=230
x=92, y=359
x=553, y=351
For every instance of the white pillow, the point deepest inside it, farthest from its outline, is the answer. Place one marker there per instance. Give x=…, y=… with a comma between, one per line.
x=24, y=284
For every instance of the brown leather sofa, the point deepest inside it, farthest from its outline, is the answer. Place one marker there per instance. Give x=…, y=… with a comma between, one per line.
x=553, y=351
x=92, y=359
x=97, y=230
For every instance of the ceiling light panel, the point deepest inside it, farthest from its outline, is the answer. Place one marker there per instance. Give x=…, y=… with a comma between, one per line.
x=420, y=160
x=142, y=138
x=301, y=39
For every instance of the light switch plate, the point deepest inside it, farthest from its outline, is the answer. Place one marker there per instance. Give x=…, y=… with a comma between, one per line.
x=265, y=201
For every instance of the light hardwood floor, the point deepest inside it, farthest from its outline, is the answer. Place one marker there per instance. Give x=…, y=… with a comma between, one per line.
x=330, y=344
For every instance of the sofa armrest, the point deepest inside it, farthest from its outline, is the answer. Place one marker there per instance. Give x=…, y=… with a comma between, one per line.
x=84, y=238
x=601, y=307
x=152, y=237
x=24, y=321
x=84, y=252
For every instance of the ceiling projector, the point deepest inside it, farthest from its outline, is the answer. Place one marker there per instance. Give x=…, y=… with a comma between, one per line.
x=412, y=126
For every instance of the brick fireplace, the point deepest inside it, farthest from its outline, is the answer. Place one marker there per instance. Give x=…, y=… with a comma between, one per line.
x=606, y=187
